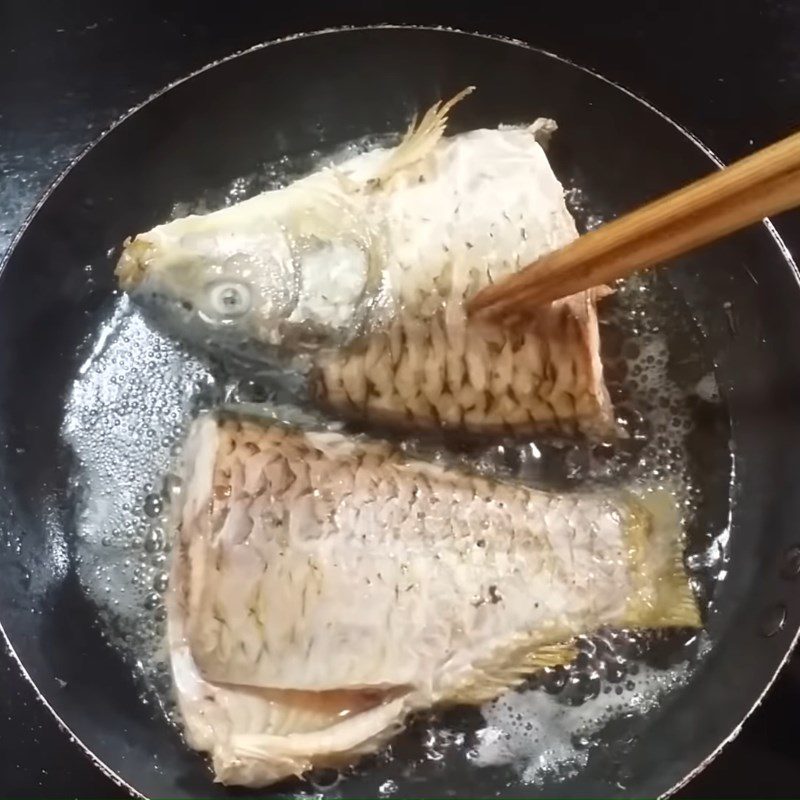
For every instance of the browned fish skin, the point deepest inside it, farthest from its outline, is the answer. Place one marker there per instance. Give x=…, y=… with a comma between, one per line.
x=545, y=376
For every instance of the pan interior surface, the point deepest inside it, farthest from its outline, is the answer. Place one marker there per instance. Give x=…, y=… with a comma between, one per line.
x=74, y=358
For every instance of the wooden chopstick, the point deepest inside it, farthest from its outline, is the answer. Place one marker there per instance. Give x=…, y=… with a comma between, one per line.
x=766, y=182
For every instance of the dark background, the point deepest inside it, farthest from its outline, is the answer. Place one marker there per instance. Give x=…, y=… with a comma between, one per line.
x=729, y=70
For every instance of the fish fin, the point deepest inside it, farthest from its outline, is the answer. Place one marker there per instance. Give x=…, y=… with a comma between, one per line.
x=420, y=138
x=512, y=667
x=294, y=753
x=664, y=596
x=552, y=655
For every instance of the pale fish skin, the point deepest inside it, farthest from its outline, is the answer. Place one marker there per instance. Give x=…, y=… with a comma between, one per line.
x=322, y=588
x=358, y=274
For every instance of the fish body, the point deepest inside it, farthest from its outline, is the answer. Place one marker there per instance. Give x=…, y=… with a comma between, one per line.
x=322, y=588
x=357, y=276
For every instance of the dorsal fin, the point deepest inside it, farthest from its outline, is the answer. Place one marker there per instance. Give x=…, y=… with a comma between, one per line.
x=420, y=138
x=508, y=668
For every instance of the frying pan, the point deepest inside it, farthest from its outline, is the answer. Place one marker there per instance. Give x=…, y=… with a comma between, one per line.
x=325, y=89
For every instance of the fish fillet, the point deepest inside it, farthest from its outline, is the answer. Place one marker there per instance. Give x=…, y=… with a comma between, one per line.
x=322, y=588
x=359, y=274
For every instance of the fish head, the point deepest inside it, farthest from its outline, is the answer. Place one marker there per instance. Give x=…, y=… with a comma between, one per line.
x=204, y=278
x=284, y=269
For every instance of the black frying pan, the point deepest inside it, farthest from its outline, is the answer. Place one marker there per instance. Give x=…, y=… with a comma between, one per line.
x=320, y=90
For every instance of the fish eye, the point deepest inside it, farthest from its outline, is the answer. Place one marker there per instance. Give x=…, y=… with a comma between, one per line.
x=229, y=299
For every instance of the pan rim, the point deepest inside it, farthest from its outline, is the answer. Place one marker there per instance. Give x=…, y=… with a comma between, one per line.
x=496, y=37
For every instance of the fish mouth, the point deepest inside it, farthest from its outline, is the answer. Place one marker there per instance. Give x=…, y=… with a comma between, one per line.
x=132, y=265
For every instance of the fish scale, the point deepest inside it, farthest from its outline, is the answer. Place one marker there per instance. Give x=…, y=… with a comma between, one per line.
x=311, y=563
